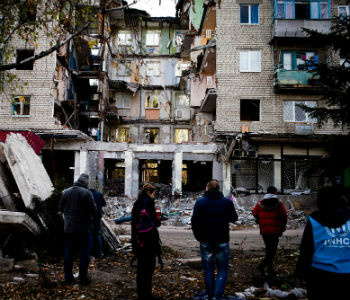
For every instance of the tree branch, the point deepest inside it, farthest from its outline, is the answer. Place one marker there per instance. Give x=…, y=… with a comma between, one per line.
x=43, y=53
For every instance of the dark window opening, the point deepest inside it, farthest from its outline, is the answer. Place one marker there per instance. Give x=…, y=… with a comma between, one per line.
x=22, y=55
x=250, y=110
x=114, y=177
x=195, y=175
x=151, y=135
x=302, y=10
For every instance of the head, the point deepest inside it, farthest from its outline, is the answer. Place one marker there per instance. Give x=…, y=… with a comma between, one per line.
x=84, y=179
x=148, y=190
x=271, y=190
x=329, y=198
x=212, y=185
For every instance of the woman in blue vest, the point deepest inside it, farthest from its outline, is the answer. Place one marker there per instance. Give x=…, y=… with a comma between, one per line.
x=324, y=261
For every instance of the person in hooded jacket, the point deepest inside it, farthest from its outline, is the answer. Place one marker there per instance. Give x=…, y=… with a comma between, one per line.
x=271, y=215
x=210, y=220
x=145, y=247
x=324, y=261
x=79, y=209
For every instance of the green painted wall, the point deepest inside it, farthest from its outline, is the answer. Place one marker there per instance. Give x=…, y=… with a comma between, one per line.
x=197, y=13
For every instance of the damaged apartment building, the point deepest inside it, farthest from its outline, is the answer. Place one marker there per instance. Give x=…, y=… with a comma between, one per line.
x=253, y=66
x=112, y=103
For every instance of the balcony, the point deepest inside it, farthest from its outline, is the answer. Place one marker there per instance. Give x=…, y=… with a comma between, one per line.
x=294, y=80
x=294, y=28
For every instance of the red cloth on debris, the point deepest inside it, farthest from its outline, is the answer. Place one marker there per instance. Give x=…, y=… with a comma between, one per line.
x=36, y=142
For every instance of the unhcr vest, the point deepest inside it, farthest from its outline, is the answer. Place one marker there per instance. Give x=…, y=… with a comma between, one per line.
x=332, y=247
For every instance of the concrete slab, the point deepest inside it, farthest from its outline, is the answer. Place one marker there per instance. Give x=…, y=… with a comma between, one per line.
x=17, y=222
x=5, y=194
x=27, y=169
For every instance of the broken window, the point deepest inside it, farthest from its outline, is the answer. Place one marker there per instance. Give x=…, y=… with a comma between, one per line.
x=250, y=110
x=152, y=101
x=249, y=14
x=153, y=68
x=182, y=101
x=122, y=135
x=151, y=135
x=150, y=172
x=299, y=60
x=124, y=38
x=181, y=66
x=250, y=61
x=152, y=38
x=21, y=106
x=124, y=68
x=302, y=9
x=182, y=135
x=294, y=113
x=22, y=55
x=184, y=174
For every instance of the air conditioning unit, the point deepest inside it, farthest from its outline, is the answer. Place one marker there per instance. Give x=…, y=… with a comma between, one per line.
x=209, y=80
x=208, y=33
x=179, y=114
x=304, y=129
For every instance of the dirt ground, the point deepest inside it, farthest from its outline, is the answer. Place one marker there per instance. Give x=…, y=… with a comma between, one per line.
x=114, y=278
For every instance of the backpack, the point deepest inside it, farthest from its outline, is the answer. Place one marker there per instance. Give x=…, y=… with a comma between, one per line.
x=144, y=226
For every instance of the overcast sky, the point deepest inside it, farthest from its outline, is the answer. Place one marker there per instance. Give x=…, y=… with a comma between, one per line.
x=166, y=9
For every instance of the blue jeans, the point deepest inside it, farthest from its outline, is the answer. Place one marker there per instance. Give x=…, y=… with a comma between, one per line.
x=76, y=242
x=212, y=254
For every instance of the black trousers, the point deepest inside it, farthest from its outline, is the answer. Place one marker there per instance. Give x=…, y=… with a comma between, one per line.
x=145, y=267
x=271, y=244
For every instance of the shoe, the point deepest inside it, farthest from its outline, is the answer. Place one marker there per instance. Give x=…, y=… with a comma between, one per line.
x=85, y=281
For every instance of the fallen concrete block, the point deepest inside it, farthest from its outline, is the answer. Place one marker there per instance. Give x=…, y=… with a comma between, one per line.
x=29, y=265
x=195, y=263
x=27, y=169
x=6, y=264
x=5, y=194
x=109, y=237
x=17, y=222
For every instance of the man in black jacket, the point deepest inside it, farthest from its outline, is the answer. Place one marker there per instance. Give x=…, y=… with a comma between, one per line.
x=77, y=204
x=211, y=216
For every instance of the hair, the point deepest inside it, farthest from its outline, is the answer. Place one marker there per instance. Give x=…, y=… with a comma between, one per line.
x=84, y=178
x=271, y=190
x=213, y=185
x=147, y=188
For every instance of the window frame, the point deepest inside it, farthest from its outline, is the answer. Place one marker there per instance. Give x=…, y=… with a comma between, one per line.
x=15, y=103
x=181, y=66
x=251, y=119
x=249, y=14
x=127, y=71
x=148, y=64
x=347, y=8
x=153, y=96
x=157, y=138
x=126, y=136
x=177, y=105
x=28, y=66
x=153, y=43
x=294, y=103
x=182, y=141
x=125, y=41
x=294, y=59
x=291, y=10
x=249, y=70
x=125, y=98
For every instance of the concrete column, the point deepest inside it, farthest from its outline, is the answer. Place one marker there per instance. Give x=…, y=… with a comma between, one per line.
x=76, y=165
x=84, y=161
x=101, y=170
x=177, y=173
x=277, y=169
x=128, y=173
x=135, y=178
x=217, y=172
x=226, y=178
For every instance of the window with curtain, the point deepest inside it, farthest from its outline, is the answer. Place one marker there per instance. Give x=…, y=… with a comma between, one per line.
x=299, y=60
x=302, y=9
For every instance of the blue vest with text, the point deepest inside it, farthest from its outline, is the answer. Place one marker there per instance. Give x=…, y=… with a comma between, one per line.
x=332, y=247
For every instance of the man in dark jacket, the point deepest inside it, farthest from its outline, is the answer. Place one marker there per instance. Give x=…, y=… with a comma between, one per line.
x=77, y=204
x=211, y=216
x=100, y=201
x=324, y=261
x=271, y=216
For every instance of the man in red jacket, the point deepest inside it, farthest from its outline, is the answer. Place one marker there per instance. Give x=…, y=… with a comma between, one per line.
x=271, y=216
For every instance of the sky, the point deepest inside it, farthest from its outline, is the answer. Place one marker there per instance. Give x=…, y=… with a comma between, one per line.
x=166, y=9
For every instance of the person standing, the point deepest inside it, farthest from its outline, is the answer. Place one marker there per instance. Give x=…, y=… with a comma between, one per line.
x=324, y=261
x=145, y=240
x=78, y=206
x=271, y=215
x=96, y=232
x=210, y=220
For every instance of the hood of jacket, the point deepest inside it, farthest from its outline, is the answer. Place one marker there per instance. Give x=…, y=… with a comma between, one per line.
x=270, y=202
x=332, y=217
x=80, y=183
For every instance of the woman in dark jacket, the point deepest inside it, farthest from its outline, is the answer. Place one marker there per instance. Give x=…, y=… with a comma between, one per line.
x=324, y=261
x=145, y=240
